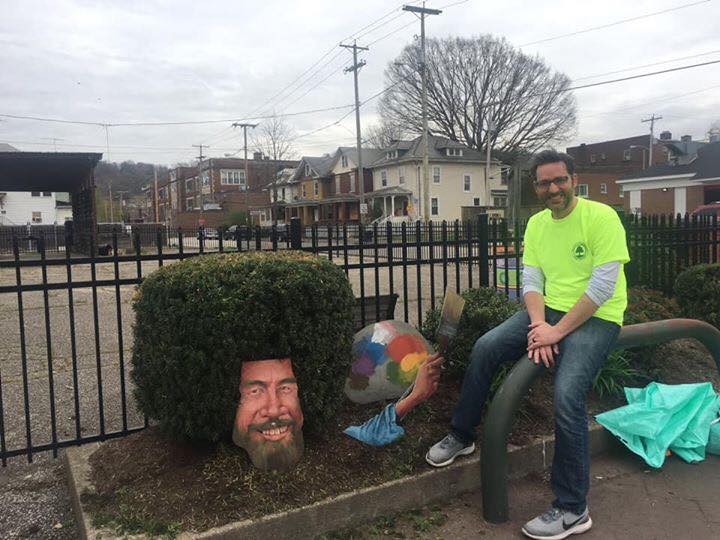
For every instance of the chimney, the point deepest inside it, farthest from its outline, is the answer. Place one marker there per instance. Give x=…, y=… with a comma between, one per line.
x=686, y=138
x=666, y=136
x=257, y=156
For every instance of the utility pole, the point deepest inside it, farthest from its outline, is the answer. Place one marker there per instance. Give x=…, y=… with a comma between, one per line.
x=422, y=11
x=157, y=202
x=360, y=172
x=652, y=136
x=247, y=173
x=201, y=220
x=490, y=129
x=112, y=213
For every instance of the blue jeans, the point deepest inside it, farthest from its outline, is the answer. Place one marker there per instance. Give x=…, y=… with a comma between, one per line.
x=582, y=354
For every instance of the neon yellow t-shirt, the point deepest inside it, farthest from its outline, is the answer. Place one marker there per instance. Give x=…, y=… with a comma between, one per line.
x=568, y=249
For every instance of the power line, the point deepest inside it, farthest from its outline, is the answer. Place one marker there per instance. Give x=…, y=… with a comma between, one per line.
x=616, y=23
x=178, y=123
x=645, y=65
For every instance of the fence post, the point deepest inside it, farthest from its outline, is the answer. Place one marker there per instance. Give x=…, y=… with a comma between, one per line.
x=295, y=233
x=483, y=244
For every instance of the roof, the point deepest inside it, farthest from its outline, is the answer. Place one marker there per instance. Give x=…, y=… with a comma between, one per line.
x=706, y=165
x=321, y=166
x=369, y=155
x=413, y=151
x=45, y=171
x=5, y=147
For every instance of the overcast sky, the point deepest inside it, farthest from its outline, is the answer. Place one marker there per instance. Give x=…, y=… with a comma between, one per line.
x=174, y=61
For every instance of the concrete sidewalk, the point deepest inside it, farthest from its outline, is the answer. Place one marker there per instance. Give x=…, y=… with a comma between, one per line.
x=627, y=500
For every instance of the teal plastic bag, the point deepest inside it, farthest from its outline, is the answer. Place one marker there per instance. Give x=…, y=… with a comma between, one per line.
x=662, y=416
x=713, y=445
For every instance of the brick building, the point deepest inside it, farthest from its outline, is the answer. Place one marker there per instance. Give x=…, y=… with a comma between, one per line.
x=672, y=188
x=218, y=186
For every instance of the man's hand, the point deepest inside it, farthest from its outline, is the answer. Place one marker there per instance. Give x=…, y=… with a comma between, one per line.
x=428, y=376
x=425, y=385
x=545, y=354
x=543, y=341
x=542, y=333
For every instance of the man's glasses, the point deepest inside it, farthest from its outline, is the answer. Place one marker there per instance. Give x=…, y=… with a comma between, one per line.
x=560, y=181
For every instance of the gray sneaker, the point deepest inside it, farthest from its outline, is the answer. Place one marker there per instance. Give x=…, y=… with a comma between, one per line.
x=445, y=452
x=556, y=524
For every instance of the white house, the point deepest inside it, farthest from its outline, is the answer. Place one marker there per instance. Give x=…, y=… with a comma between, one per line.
x=457, y=180
x=34, y=207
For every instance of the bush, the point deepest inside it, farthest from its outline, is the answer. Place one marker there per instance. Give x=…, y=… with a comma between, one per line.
x=197, y=320
x=646, y=305
x=485, y=308
x=615, y=374
x=697, y=290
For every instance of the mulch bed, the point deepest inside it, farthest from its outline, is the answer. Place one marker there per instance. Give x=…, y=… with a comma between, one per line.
x=147, y=483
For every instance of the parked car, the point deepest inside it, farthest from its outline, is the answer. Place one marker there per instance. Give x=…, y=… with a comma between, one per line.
x=210, y=234
x=711, y=209
x=231, y=231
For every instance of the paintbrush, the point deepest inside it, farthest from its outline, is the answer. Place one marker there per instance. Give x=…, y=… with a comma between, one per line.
x=450, y=314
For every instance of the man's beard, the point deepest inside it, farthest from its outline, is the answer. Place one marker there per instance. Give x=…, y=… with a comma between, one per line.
x=566, y=200
x=271, y=455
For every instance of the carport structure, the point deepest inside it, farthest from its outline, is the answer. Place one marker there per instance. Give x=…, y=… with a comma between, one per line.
x=71, y=172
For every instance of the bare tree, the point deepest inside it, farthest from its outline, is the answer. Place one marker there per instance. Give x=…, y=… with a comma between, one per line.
x=473, y=80
x=382, y=134
x=273, y=137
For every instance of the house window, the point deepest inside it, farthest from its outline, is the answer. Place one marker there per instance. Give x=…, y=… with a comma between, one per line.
x=603, y=156
x=304, y=191
x=352, y=182
x=337, y=184
x=189, y=203
x=47, y=194
x=315, y=189
x=232, y=178
x=500, y=202
x=37, y=217
x=383, y=178
x=189, y=185
x=593, y=158
x=343, y=161
x=622, y=192
x=34, y=193
x=466, y=183
x=436, y=175
x=205, y=178
x=627, y=154
x=476, y=201
x=392, y=154
x=401, y=175
x=307, y=170
x=282, y=192
x=603, y=188
x=582, y=190
x=434, y=206
x=454, y=151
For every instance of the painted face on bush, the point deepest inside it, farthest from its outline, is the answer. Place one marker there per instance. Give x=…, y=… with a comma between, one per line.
x=269, y=420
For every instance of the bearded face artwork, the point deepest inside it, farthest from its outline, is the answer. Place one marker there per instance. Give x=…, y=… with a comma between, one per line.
x=269, y=419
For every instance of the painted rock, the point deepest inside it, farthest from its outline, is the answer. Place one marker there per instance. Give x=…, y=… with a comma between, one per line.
x=386, y=357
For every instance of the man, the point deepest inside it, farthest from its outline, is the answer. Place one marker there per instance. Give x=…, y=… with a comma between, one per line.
x=575, y=296
x=269, y=420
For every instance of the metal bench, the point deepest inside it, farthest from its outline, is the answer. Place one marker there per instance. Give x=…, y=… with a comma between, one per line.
x=493, y=457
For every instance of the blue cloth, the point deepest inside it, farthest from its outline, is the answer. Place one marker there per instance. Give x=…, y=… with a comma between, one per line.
x=380, y=430
x=582, y=354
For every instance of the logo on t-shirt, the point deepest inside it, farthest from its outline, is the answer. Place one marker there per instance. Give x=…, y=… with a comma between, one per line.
x=579, y=251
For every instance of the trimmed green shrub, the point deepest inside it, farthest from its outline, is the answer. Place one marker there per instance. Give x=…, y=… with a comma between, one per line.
x=697, y=290
x=485, y=308
x=197, y=320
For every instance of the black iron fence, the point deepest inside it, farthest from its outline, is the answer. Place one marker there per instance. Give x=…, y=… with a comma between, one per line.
x=66, y=319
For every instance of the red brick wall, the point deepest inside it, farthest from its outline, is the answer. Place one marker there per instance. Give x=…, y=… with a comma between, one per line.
x=594, y=181
x=657, y=201
x=695, y=197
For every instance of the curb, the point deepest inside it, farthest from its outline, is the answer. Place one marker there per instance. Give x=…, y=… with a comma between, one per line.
x=348, y=509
